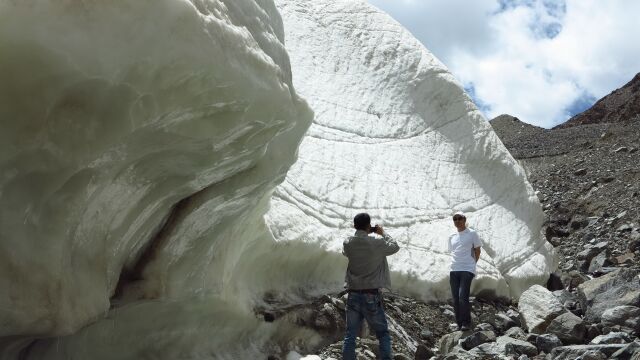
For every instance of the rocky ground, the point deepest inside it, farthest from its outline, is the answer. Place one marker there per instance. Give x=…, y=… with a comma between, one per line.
x=586, y=174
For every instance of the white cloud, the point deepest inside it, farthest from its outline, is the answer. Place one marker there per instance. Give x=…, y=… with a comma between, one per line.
x=539, y=60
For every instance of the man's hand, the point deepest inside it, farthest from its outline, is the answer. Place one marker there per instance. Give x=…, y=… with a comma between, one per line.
x=379, y=230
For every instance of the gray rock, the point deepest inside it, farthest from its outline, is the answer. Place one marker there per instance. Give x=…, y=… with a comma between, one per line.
x=574, y=352
x=401, y=357
x=448, y=341
x=624, y=227
x=547, y=342
x=486, y=350
x=593, y=330
x=449, y=313
x=624, y=315
x=612, y=338
x=578, y=222
x=564, y=295
x=484, y=327
x=598, y=262
x=630, y=351
x=580, y=172
x=586, y=256
x=458, y=353
x=477, y=338
x=568, y=328
x=503, y=346
x=531, y=338
x=621, y=287
x=516, y=333
x=517, y=348
x=514, y=315
x=593, y=355
x=504, y=322
x=423, y=353
x=538, y=307
x=572, y=279
x=426, y=334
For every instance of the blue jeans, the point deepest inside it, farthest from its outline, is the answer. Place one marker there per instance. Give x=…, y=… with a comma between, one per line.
x=366, y=306
x=460, y=282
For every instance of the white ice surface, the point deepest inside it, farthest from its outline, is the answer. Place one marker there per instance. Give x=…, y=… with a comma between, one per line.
x=122, y=118
x=395, y=135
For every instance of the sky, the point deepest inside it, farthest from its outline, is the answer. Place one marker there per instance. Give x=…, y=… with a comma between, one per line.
x=542, y=61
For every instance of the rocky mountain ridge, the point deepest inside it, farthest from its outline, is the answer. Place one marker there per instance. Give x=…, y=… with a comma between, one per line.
x=621, y=105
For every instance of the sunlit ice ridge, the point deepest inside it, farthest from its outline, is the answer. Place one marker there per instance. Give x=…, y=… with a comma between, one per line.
x=160, y=172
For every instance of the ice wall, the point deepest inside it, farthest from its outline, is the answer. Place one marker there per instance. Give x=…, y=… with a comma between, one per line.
x=395, y=135
x=140, y=142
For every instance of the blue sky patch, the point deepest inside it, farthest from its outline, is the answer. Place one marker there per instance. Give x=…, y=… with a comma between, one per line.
x=581, y=104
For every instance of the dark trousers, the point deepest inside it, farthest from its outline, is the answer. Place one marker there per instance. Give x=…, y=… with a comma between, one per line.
x=460, y=282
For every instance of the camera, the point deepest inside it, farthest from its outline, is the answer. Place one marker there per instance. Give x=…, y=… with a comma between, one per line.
x=374, y=229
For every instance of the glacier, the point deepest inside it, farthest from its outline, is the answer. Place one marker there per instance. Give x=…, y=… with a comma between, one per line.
x=395, y=135
x=143, y=142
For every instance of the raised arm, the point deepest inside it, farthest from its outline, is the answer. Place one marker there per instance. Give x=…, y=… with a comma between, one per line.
x=390, y=246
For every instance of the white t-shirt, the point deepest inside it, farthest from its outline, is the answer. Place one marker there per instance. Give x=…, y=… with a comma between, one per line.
x=461, y=245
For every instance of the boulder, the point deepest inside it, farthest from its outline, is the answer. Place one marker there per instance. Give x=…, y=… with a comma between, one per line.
x=547, y=342
x=568, y=328
x=503, y=347
x=612, y=338
x=504, y=322
x=517, y=347
x=477, y=338
x=516, y=333
x=600, y=261
x=423, y=353
x=458, y=353
x=447, y=342
x=573, y=352
x=586, y=256
x=484, y=327
x=426, y=334
x=621, y=287
x=630, y=351
x=538, y=307
x=573, y=278
x=593, y=330
x=486, y=351
x=624, y=316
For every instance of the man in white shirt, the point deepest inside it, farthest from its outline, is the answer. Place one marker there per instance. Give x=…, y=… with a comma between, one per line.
x=464, y=246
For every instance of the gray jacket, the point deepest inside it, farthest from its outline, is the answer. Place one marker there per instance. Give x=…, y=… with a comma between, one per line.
x=368, y=268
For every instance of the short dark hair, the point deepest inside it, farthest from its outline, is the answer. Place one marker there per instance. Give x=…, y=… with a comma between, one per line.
x=361, y=221
x=459, y=217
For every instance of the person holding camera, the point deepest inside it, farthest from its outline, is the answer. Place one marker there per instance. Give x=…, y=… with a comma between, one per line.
x=464, y=246
x=367, y=273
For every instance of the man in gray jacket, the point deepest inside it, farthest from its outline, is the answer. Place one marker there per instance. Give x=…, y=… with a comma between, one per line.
x=367, y=272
